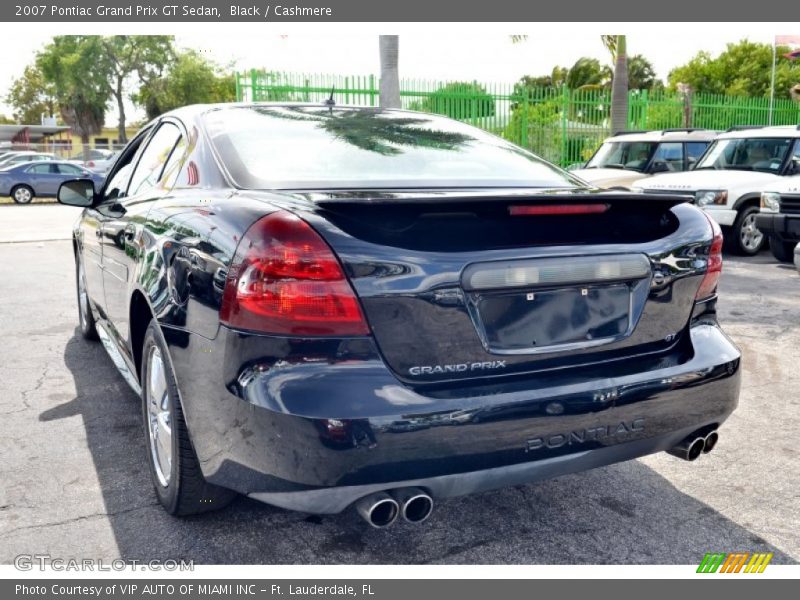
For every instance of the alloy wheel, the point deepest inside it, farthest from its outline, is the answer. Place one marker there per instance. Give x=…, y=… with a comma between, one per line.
x=159, y=417
x=750, y=235
x=22, y=195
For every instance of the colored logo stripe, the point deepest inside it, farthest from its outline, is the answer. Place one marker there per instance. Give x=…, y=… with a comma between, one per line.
x=734, y=562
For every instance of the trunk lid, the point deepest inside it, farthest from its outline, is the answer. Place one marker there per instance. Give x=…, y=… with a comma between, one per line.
x=459, y=286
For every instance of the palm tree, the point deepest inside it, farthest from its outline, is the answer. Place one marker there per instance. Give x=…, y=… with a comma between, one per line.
x=370, y=131
x=616, y=44
x=390, y=78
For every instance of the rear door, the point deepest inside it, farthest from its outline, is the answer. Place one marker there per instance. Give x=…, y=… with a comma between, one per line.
x=38, y=177
x=51, y=180
x=125, y=218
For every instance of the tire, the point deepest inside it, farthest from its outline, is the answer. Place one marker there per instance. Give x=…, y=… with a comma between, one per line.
x=782, y=251
x=85, y=316
x=22, y=194
x=744, y=238
x=174, y=469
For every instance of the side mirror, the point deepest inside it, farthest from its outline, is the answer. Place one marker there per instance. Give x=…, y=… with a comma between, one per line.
x=77, y=192
x=659, y=166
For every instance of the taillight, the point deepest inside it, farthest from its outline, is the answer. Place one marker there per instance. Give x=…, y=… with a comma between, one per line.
x=284, y=279
x=714, y=269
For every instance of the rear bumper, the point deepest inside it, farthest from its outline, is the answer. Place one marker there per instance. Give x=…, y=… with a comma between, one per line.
x=784, y=227
x=336, y=499
x=317, y=434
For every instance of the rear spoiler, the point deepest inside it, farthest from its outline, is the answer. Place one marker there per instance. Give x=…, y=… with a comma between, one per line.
x=407, y=198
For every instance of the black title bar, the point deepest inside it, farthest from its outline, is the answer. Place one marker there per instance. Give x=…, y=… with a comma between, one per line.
x=462, y=11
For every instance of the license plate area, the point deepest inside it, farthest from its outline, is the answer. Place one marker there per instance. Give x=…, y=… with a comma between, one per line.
x=555, y=304
x=539, y=320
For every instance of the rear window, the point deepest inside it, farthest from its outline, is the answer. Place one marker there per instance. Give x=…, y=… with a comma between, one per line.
x=307, y=147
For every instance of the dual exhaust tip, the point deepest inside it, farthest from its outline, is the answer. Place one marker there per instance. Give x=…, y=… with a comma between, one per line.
x=381, y=509
x=692, y=447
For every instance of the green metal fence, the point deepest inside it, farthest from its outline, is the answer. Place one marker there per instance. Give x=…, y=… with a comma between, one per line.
x=562, y=125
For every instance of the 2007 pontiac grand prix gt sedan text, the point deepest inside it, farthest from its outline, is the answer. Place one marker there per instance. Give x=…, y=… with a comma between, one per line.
x=325, y=306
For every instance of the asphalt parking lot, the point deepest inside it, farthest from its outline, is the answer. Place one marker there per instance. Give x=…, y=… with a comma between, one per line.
x=74, y=482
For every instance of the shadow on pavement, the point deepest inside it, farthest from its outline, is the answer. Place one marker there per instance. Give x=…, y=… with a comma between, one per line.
x=625, y=513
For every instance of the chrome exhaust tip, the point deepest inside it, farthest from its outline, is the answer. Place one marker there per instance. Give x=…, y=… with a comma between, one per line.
x=710, y=442
x=689, y=449
x=415, y=504
x=379, y=510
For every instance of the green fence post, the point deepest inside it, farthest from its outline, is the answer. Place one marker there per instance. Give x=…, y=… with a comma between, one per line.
x=523, y=134
x=565, y=99
x=238, y=87
x=253, y=84
x=645, y=108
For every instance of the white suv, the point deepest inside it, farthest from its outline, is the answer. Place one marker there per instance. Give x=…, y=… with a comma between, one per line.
x=780, y=217
x=625, y=158
x=728, y=180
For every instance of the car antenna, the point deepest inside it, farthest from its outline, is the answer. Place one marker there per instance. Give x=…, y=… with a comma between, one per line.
x=330, y=102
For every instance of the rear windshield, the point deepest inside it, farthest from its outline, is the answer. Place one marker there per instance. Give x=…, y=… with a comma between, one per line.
x=309, y=147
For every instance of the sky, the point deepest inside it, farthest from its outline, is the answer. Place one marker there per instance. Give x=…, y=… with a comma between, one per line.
x=464, y=53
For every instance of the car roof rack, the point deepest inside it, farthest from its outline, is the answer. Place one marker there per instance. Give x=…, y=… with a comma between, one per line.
x=683, y=129
x=630, y=132
x=743, y=128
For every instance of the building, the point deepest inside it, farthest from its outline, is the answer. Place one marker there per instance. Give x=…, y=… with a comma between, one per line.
x=58, y=139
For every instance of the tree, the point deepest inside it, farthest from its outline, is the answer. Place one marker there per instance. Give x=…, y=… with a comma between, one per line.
x=742, y=69
x=587, y=72
x=389, y=47
x=557, y=78
x=190, y=79
x=31, y=97
x=125, y=55
x=617, y=45
x=459, y=100
x=641, y=74
x=75, y=68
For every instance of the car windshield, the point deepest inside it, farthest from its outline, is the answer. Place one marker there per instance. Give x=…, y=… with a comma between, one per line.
x=309, y=147
x=747, y=154
x=623, y=155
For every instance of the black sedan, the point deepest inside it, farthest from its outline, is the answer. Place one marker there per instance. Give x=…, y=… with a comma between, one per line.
x=325, y=306
x=42, y=178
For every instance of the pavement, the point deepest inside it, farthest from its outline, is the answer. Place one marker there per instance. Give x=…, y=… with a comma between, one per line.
x=75, y=481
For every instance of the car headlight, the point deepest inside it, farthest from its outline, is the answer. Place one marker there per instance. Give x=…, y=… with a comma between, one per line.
x=710, y=197
x=770, y=202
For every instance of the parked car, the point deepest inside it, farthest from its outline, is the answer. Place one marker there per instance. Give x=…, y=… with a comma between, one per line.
x=41, y=178
x=780, y=217
x=96, y=159
x=626, y=158
x=303, y=290
x=15, y=158
x=728, y=180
